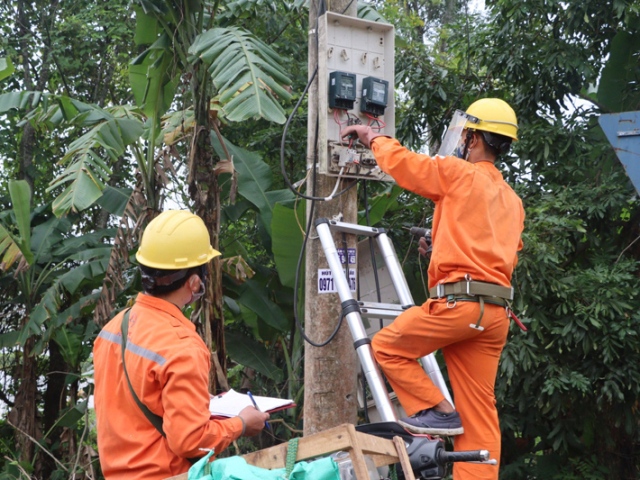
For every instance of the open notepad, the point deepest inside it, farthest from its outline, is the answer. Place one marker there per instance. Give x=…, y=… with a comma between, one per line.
x=229, y=404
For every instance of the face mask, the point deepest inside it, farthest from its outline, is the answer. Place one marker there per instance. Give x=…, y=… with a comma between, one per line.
x=459, y=150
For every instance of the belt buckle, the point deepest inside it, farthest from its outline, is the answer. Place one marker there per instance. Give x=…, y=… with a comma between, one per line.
x=468, y=280
x=440, y=290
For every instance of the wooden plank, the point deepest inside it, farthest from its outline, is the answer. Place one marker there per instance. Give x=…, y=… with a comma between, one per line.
x=381, y=450
x=404, y=458
x=372, y=444
x=355, y=453
x=341, y=438
x=323, y=443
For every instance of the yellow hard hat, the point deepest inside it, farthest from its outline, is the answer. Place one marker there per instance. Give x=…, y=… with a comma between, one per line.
x=494, y=116
x=174, y=240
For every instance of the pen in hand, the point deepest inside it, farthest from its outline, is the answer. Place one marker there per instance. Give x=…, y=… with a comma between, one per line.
x=253, y=400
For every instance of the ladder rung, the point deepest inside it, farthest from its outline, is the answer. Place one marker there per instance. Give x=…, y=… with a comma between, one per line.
x=381, y=310
x=355, y=228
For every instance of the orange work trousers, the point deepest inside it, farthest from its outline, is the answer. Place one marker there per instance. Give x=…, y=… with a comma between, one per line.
x=471, y=357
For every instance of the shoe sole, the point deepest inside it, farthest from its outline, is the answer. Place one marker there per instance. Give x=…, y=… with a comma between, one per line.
x=445, y=432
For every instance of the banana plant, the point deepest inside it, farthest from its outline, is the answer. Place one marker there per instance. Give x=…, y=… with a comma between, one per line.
x=6, y=67
x=49, y=265
x=109, y=134
x=47, y=278
x=15, y=243
x=247, y=75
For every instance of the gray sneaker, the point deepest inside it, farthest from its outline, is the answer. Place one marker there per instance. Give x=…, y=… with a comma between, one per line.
x=432, y=422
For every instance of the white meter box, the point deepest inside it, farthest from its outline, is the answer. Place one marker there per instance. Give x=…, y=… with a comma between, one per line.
x=348, y=47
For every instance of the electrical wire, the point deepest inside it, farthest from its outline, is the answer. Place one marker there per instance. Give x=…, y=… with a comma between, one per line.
x=375, y=120
x=295, y=291
x=311, y=197
x=283, y=169
x=335, y=189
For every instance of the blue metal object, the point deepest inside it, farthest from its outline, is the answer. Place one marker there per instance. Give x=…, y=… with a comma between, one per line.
x=623, y=132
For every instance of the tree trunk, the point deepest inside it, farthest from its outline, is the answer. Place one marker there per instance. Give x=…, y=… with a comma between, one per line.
x=55, y=399
x=25, y=411
x=24, y=416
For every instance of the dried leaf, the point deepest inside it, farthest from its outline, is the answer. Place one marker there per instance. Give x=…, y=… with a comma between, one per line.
x=224, y=166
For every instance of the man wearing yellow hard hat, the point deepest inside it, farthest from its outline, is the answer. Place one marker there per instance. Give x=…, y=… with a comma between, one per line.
x=152, y=403
x=477, y=225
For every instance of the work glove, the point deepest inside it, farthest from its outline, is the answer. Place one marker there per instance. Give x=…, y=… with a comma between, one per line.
x=364, y=133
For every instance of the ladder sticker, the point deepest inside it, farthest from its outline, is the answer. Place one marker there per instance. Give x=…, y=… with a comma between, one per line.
x=326, y=283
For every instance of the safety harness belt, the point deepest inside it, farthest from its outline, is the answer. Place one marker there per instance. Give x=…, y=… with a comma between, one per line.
x=471, y=287
x=481, y=292
x=156, y=420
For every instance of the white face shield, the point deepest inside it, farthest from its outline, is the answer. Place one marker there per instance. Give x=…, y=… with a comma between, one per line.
x=453, y=136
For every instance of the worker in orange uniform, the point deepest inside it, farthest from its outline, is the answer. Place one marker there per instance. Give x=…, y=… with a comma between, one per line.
x=153, y=419
x=477, y=225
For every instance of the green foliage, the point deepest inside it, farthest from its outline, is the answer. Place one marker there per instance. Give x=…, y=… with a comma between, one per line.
x=567, y=390
x=6, y=67
x=13, y=246
x=252, y=354
x=254, y=181
x=86, y=175
x=287, y=242
x=246, y=73
x=616, y=90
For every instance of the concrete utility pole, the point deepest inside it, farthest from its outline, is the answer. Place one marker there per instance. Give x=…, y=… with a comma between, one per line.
x=330, y=371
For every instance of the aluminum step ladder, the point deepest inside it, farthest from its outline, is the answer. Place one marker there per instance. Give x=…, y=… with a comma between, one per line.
x=354, y=311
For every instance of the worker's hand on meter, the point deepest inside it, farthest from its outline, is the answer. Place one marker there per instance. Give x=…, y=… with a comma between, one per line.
x=254, y=420
x=364, y=133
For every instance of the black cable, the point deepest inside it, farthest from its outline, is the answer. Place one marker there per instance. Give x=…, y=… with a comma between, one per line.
x=282, y=150
x=321, y=10
x=312, y=197
x=297, y=280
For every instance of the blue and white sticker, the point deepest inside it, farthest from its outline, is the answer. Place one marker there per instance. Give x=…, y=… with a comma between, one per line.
x=348, y=255
x=327, y=284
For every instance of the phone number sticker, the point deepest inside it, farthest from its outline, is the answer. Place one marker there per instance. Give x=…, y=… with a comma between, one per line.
x=326, y=283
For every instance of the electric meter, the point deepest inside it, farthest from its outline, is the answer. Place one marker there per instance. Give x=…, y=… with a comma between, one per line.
x=355, y=87
x=342, y=90
x=374, y=95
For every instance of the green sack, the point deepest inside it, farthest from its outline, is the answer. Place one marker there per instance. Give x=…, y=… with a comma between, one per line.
x=236, y=468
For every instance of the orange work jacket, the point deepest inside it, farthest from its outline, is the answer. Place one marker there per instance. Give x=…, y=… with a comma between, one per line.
x=478, y=218
x=168, y=364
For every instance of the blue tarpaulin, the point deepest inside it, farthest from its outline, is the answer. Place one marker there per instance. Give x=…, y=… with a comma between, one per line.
x=623, y=132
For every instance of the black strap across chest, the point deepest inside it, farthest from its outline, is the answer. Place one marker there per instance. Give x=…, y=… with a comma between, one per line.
x=156, y=420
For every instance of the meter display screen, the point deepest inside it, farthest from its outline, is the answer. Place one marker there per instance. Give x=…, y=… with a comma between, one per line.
x=348, y=87
x=379, y=93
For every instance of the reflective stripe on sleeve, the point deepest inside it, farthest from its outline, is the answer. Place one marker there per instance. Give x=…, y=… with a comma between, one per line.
x=133, y=348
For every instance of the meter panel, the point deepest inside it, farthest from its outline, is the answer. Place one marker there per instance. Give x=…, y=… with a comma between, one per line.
x=349, y=46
